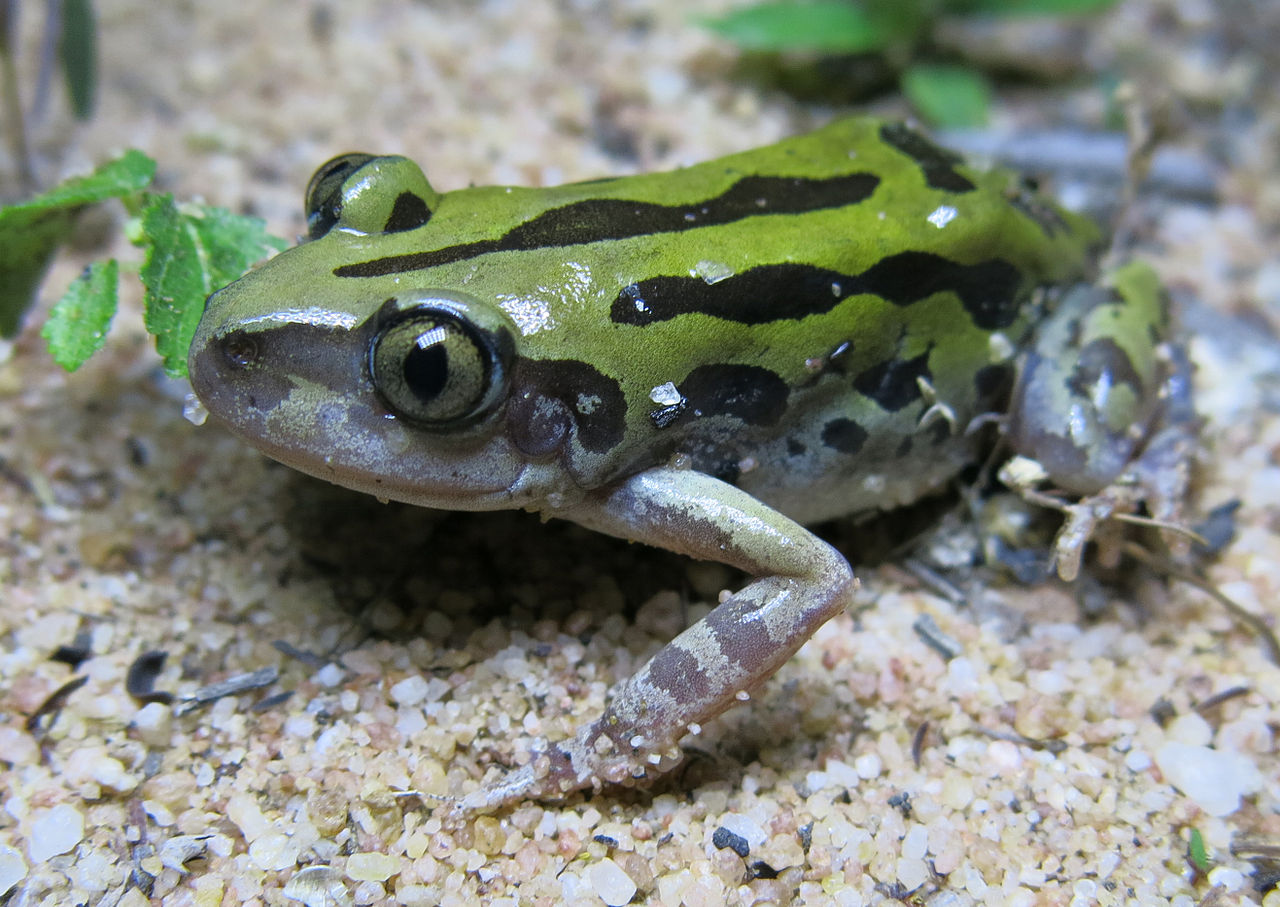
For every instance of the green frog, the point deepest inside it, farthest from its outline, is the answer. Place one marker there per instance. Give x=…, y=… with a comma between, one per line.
x=705, y=360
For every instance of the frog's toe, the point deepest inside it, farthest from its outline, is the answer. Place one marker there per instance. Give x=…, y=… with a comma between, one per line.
x=548, y=775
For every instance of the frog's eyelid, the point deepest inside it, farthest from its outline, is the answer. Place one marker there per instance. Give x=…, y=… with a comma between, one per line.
x=315, y=317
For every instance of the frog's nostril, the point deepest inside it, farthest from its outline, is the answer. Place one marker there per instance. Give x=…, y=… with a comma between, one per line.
x=240, y=350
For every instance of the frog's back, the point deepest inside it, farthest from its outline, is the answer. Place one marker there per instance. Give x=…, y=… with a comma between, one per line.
x=816, y=322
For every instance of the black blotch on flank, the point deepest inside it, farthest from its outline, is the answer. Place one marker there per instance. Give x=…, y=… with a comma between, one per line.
x=893, y=384
x=595, y=400
x=796, y=448
x=988, y=291
x=936, y=163
x=408, y=213
x=992, y=384
x=844, y=435
x=753, y=394
x=600, y=219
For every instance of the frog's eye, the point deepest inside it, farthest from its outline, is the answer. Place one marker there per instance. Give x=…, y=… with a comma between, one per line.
x=435, y=364
x=362, y=193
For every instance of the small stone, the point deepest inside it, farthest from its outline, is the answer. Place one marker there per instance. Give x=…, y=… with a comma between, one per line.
x=317, y=886
x=410, y=691
x=724, y=839
x=868, y=766
x=489, y=837
x=915, y=843
x=912, y=873
x=372, y=867
x=746, y=828
x=55, y=831
x=13, y=869
x=1190, y=729
x=111, y=774
x=1215, y=781
x=154, y=724
x=273, y=852
x=330, y=675
x=178, y=850
x=610, y=883
x=18, y=748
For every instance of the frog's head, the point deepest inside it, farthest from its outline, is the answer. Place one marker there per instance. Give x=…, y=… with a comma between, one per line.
x=390, y=391
x=402, y=401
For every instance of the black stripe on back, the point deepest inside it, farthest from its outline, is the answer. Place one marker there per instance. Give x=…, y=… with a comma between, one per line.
x=989, y=291
x=608, y=218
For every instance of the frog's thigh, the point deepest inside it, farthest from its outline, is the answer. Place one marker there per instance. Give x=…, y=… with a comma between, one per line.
x=801, y=582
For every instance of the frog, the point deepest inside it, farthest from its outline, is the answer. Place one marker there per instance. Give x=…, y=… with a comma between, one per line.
x=707, y=360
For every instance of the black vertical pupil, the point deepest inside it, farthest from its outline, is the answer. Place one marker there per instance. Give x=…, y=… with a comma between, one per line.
x=426, y=370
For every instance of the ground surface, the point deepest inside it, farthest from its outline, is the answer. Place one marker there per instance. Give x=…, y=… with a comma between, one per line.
x=425, y=651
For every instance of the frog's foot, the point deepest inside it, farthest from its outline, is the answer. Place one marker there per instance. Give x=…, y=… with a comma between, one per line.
x=1155, y=482
x=800, y=583
x=596, y=756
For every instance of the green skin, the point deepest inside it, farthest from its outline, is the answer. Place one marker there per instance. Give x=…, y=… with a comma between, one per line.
x=702, y=360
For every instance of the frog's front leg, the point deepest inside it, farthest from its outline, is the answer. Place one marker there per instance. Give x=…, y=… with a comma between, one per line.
x=800, y=583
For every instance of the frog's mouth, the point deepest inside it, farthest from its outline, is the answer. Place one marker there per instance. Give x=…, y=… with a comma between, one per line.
x=297, y=388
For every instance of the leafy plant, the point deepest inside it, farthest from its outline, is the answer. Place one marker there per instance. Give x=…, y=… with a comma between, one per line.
x=900, y=30
x=190, y=251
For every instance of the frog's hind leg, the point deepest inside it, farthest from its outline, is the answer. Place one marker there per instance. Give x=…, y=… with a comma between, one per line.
x=1103, y=411
x=800, y=583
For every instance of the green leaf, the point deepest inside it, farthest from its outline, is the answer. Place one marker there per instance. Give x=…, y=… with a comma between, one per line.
x=1196, y=851
x=949, y=96
x=31, y=232
x=128, y=173
x=826, y=26
x=79, y=52
x=1029, y=7
x=77, y=325
x=192, y=251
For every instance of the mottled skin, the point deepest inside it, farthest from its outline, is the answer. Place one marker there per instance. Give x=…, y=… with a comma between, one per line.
x=701, y=360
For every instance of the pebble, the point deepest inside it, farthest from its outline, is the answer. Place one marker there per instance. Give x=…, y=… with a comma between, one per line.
x=746, y=828
x=1215, y=781
x=154, y=724
x=55, y=831
x=13, y=869
x=1190, y=729
x=372, y=867
x=273, y=851
x=317, y=886
x=613, y=886
x=410, y=691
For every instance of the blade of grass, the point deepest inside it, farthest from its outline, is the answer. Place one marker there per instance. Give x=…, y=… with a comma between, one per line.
x=79, y=52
